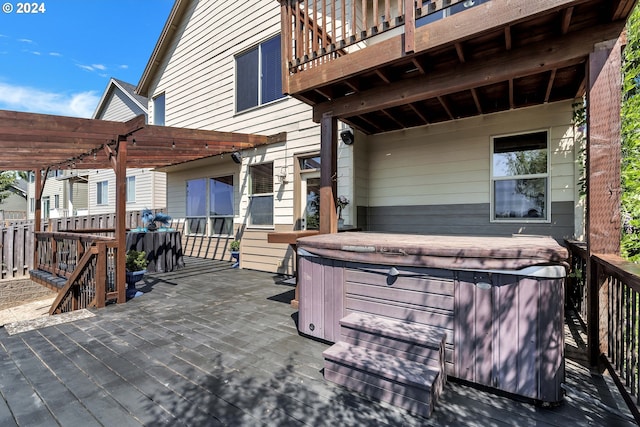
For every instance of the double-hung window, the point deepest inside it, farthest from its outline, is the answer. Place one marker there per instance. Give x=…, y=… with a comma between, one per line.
x=102, y=193
x=259, y=75
x=159, y=110
x=217, y=194
x=520, y=177
x=261, y=198
x=131, y=189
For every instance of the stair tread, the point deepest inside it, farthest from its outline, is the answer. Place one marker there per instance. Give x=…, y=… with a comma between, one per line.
x=412, y=373
x=398, y=329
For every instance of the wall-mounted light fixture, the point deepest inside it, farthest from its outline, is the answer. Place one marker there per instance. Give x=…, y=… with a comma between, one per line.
x=347, y=137
x=236, y=156
x=282, y=176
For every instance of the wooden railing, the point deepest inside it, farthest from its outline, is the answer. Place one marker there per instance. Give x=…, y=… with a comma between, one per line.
x=85, y=261
x=317, y=31
x=610, y=296
x=92, y=283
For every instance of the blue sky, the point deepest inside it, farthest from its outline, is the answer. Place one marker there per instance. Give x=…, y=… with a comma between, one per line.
x=59, y=61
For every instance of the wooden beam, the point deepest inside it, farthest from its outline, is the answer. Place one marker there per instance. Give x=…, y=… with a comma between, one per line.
x=603, y=222
x=460, y=52
x=419, y=113
x=409, y=26
x=120, y=169
x=482, y=19
x=511, y=95
x=507, y=37
x=532, y=59
x=328, y=174
x=418, y=65
x=622, y=9
x=552, y=78
x=566, y=20
x=476, y=100
x=382, y=76
x=446, y=107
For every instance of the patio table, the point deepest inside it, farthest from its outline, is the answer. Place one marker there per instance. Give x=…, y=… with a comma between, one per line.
x=163, y=248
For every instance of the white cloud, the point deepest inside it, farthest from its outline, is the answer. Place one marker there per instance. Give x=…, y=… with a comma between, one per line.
x=32, y=100
x=85, y=67
x=25, y=40
x=55, y=54
x=124, y=66
x=35, y=52
x=99, y=67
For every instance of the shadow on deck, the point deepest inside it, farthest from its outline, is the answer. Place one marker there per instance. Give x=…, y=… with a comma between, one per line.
x=210, y=345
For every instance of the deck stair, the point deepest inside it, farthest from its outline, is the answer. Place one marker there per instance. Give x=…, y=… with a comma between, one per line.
x=398, y=362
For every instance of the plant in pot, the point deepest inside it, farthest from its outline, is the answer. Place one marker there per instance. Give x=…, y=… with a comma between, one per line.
x=136, y=265
x=234, y=248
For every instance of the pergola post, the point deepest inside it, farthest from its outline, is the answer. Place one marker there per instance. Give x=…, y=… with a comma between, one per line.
x=121, y=226
x=603, y=181
x=328, y=173
x=37, y=212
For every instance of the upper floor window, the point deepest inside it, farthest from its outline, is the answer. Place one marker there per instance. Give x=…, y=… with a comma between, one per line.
x=520, y=177
x=131, y=189
x=158, y=110
x=56, y=201
x=102, y=193
x=261, y=201
x=259, y=75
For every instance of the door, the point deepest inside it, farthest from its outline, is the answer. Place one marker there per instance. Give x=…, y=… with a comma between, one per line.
x=310, y=200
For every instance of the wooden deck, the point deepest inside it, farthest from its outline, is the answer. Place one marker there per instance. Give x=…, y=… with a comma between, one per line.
x=210, y=345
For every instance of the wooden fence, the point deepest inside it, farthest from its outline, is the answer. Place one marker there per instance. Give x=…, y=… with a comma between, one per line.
x=17, y=237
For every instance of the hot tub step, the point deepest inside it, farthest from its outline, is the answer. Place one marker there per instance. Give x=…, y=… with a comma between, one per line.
x=407, y=340
x=404, y=383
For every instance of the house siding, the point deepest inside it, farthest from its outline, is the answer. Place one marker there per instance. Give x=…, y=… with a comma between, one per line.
x=437, y=179
x=120, y=107
x=197, y=76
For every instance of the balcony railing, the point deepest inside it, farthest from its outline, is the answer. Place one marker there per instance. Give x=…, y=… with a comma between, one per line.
x=611, y=306
x=316, y=31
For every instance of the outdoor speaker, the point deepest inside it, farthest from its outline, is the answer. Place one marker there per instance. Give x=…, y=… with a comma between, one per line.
x=347, y=137
x=236, y=157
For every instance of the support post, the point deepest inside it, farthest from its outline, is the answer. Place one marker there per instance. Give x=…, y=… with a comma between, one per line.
x=409, y=26
x=121, y=226
x=328, y=173
x=37, y=223
x=603, y=180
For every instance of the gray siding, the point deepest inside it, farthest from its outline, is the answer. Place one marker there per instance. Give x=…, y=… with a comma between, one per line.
x=467, y=219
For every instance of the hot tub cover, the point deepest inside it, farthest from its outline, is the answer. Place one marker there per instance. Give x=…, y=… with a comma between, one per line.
x=451, y=252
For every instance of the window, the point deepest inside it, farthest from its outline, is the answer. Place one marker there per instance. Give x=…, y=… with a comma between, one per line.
x=217, y=193
x=158, y=110
x=259, y=75
x=131, y=189
x=102, y=193
x=56, y=201
x=32, y=204
x=520, y=178
x=261, y=198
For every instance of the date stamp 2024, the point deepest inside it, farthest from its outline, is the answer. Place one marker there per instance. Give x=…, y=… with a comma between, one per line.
x=24, y=8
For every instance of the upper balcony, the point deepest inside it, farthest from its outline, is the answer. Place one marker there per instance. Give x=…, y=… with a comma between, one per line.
x=382, y=65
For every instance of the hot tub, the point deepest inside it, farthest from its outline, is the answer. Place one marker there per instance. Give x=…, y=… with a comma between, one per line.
x=499, y=299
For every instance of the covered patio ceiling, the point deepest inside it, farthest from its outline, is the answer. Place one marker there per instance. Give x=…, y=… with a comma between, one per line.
x=36, y=141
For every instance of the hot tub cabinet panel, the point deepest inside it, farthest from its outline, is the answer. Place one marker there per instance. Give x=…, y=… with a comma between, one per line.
x=504, y=328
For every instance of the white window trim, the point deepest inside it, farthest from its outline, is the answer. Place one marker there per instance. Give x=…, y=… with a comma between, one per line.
x=208, y=218
x=492, y=179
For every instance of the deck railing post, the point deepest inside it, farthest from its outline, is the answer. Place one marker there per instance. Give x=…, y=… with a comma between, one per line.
x=101, y=275
x=409, y=26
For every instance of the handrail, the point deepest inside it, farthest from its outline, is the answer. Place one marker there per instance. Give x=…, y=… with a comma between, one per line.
x=90, y=284
x=611, y=300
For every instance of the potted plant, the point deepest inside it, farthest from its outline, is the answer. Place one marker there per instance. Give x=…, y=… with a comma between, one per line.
x=341, y=203
x=234, y=248
x=136, y=266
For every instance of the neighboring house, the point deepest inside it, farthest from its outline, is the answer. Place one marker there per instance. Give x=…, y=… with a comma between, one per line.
x=145, y=188
x=15, y=205
x=65, y=194
x=219, y=71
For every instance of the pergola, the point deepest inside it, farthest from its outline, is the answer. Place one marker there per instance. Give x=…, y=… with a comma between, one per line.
x=43, y=143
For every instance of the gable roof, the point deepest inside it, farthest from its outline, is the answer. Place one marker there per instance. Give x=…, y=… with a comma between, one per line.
x=127, y=88
x=163, y=43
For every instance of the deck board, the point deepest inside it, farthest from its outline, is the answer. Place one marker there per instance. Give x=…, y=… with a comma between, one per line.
x=211, y=345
